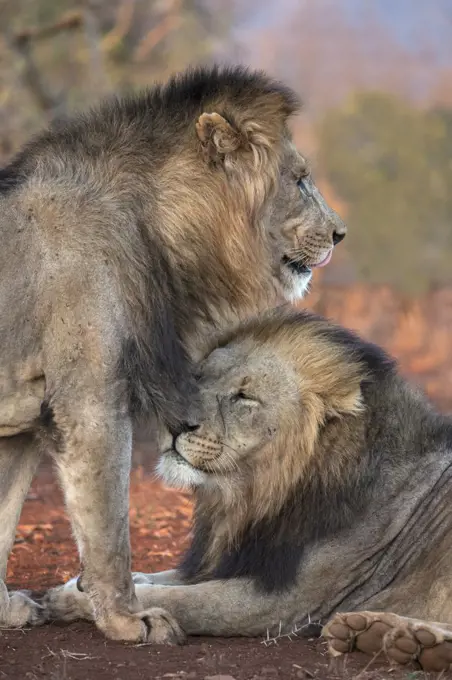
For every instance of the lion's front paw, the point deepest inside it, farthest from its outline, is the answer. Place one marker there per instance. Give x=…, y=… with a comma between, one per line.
x=67, y=603
x=17, y=609
x=163, y=628
x=153, y=626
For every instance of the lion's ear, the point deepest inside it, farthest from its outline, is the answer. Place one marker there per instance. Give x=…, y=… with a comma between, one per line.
x=347, y=400
x=218, y=137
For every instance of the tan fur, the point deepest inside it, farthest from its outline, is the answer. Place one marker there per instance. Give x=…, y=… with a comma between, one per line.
x=130, y=237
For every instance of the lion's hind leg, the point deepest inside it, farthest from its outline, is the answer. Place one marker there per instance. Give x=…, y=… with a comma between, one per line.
x=19, y=458
x=401, y=639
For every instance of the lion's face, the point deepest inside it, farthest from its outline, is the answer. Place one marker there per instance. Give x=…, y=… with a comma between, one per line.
x=245, y=401
x=303, y=228
x=268, y=183
x=268, y=393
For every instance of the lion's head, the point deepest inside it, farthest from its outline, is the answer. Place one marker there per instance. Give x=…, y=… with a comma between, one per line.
x=267, y=391
x=245, y=192
x=283, y=428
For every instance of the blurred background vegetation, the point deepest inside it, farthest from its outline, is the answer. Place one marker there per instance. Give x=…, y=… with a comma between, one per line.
x=377, y=125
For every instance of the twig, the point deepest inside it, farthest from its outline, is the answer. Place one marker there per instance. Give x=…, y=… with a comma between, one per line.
x=77, y=656
x=368, y=665
x=293, y=633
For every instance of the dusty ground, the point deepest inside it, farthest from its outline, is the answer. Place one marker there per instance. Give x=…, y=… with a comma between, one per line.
x=44, y=555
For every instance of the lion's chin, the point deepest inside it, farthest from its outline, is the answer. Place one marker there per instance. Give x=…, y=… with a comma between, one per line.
x=177, y=472
x=295, y=282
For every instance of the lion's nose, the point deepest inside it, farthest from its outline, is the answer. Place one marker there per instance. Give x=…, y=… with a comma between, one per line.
x=189, y=427
x=338, y=237
x=184, y=428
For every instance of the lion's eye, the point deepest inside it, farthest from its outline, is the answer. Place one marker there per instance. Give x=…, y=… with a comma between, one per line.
x=245, y=399
x=304, y=187
x=239, y=396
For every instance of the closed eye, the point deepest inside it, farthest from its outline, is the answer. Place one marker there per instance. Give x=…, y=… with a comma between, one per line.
x=239, y=396
x=242, y=396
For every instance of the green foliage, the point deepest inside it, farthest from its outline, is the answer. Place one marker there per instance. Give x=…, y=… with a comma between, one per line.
x=392, y=164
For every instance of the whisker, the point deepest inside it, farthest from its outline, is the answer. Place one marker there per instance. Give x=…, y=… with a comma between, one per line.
x=229, y=457
x=296, y=256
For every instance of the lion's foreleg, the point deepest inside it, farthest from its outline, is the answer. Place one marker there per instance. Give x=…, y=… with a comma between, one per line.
x=19, y=458
x=231, y=607
x=212, y=608
x=94, y=467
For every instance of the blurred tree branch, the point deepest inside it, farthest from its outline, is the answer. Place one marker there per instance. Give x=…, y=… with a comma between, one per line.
x=124, y=19
x=90, y=23
x=169, y=23
x=68, y=22
x=21, y=42
x=56, y=56
x=32, y=79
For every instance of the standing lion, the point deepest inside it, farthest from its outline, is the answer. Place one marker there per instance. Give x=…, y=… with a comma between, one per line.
x=129, y=236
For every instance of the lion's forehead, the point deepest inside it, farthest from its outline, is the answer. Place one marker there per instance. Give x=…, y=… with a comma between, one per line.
x=253, y=366
x=228, y=364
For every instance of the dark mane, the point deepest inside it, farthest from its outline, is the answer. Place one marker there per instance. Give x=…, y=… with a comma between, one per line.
x=10, y=176
x=377, y=362
x=373, y=358
x=152, y=121
x=158, y=370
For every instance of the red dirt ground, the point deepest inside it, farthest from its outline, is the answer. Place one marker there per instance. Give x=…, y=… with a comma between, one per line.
x=44, y=555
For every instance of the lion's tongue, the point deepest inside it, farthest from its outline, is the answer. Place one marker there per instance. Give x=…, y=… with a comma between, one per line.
x=324, y=262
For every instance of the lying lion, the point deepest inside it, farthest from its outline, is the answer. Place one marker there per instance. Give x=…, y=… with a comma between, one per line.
x=322, y=483
x=129, y=236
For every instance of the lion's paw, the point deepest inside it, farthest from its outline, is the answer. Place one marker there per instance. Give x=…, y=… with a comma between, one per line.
x=154, y=625
x=162, y=628
x=67, y=603
x=17, y=609
x=402, y=639
x=151, y=626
